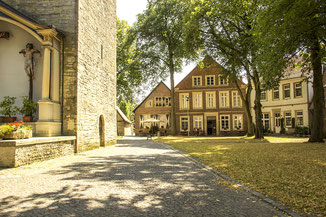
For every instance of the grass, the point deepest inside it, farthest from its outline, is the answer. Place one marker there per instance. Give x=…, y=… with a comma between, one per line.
x=289, y=170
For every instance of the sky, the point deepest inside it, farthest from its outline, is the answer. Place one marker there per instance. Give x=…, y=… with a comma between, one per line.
x=127, y=10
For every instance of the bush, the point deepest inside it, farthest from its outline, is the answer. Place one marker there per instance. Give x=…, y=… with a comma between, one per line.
x=301, y=130
x=29, y=107
x=7, y=107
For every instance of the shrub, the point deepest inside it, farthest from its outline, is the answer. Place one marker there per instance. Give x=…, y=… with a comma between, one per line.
x=7, y=107
x=29, y=107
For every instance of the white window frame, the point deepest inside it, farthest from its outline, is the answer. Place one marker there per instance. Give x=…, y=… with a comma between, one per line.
x=214, y=100
x=269, y=120
x=210, y=76
x=195, y=78
x=298, y=116
x=288, y=116
x=295, y=89
x=238, y=118
x=239, y=104
x=226, y=80
x=181, y=121
x=196, y=119
x=221, y=121
x=263, y=92
x=183, y=103
x=276, y=89
x=200, y=100
x=221, y=98
x=289, y=89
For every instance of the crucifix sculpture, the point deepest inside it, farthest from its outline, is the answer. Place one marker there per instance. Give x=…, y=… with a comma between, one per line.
x=28, y=53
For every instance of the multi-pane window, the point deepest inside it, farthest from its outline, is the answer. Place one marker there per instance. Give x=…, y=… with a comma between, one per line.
x=266, y=121
x=158, y=101
x=184, y=123
x=210, y=99
x=197, y=100
x=286, y=91
x=299, y=115
x=236, y=100
x=167, y=101
x=224, y=99
x=276, y=93
x=288, y=119
x=263, y=95
x=210, y=80
x=149, y=103
x=198, y=122
x=196, y=81
x=237, y=122
x=298, y=90
x=222, y=80
x=184, y=101
x=225, y=122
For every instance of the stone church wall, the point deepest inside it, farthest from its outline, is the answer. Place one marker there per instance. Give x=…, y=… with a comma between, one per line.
x=96, y=72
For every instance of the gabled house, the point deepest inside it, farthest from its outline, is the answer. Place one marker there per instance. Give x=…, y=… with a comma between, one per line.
x=124, y=126
x=156, y=105
x=208, y=101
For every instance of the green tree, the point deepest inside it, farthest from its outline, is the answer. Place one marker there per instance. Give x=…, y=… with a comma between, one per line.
x=160, y=38
x=287, y=29
x=127, y=107
x=223, y=29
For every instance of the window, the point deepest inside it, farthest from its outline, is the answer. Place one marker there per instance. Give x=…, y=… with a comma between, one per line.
x=266, y=121
x=210, y=80
x=224, y=99
x=197, y=100
x=299, y=117
x=276, y=93
x=288, y=119
x=184, y=122
x=149, y=103
x=167, y=101
x=210, y=100
x=297, y=90
x=236, y=100
x=222, y=80
x=184, y=101
x=263, y=95
x=286, y=91
x=158, y=101
x=225, y=122
x=196, y=81
x=237, y=122
x=198, y=122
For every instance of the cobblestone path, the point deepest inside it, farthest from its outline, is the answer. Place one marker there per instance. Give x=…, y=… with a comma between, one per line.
x=134, y=178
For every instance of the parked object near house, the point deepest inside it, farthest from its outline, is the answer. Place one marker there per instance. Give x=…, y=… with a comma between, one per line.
x=287, y=106
x=125, y=126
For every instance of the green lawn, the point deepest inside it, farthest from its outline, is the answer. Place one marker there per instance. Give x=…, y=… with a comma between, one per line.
x=291, y=171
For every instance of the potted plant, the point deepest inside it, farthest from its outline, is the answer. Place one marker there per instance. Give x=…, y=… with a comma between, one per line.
x=28, y=109
x=15, y=131
x=8, y=109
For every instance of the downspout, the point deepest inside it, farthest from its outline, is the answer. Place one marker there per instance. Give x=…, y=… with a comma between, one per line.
x=62, y=81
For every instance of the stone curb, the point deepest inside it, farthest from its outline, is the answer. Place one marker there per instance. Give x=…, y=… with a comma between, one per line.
x=217, y=173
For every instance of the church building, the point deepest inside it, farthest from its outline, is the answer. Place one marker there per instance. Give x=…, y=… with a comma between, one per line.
x=71, y=47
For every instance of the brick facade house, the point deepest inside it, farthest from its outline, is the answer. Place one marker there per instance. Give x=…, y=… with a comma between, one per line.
x=206, y=102
x=156, y=105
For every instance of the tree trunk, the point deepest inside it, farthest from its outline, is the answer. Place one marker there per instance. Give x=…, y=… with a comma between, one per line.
x=173, y=116
x=318, y=99
x=259, y=130
x=246, y=102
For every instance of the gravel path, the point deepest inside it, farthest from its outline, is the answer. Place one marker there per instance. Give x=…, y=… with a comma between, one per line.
x=134, y=178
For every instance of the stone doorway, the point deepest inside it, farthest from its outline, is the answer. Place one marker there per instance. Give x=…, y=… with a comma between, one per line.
x=102, y=131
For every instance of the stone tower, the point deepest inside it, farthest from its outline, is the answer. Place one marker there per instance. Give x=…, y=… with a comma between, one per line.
x=88, y=68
